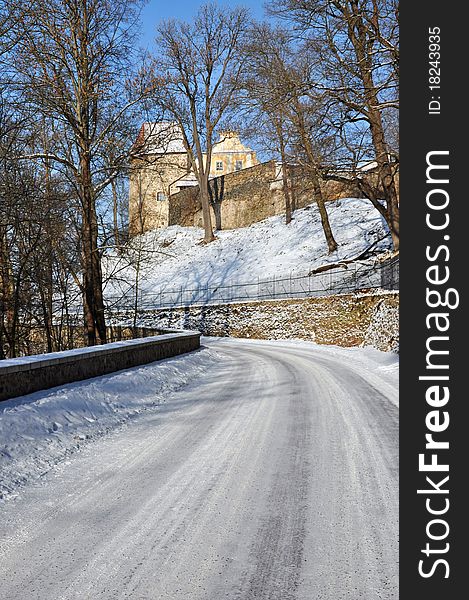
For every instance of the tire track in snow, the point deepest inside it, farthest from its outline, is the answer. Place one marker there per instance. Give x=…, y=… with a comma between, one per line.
x=272, y=478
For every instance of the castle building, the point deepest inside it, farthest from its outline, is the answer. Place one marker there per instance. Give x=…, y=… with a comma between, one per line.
x=162, y=169
x=230, y=155
x=161, y=161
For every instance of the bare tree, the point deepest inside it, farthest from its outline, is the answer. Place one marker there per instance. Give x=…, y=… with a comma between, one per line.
x=275, y=85
x=10, y=16
x=72, y=65
x=198, y=68
x=355, y=48
x=37, y=247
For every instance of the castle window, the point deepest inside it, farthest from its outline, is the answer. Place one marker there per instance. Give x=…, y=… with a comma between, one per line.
x=160, y=197
x=238, y=165
x=219, y=165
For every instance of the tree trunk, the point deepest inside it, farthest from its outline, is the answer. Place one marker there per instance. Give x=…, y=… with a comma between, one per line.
x=206, y=214
x=47, y=290
x=326, y=226
x=137, y=283
x=360, y=38
x=7, y=296
x=5, y=291
x=285, y=182
x=93, y=302
x=115, y=212
x=313, y=169
x=286, y=193
x=386, y=177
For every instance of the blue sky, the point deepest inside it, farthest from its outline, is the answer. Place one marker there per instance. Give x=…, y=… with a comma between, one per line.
x=156, y=10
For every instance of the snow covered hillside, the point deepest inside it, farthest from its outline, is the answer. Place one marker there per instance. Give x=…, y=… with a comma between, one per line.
x=173, y=257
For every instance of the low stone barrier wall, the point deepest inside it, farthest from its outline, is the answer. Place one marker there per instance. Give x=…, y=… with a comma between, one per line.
x=19, y=376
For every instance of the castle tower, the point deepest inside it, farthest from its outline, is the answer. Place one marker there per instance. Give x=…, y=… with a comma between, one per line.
x=161, y=161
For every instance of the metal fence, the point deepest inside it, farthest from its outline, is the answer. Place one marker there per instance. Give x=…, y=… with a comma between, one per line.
x=348, y=278
x=390, y=273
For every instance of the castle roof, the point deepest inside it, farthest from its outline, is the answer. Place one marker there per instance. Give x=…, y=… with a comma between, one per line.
x=164, y=137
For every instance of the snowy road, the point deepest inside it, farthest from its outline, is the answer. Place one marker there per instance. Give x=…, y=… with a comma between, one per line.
x=275, y=477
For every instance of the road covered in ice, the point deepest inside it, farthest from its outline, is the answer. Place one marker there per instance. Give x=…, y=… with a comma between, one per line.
x=271, y=475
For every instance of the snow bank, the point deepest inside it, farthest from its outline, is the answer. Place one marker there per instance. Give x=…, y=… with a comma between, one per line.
x=174, y=258
x=40, y=429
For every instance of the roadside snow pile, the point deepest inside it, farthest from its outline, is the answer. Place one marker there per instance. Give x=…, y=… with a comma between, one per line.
x=379, y=369
x=370, y=362
x=173, y=257
x=41, y=429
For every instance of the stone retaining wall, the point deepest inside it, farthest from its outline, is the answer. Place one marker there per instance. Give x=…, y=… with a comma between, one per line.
x=19, y=376
x=344, y=320
x=249, y=196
